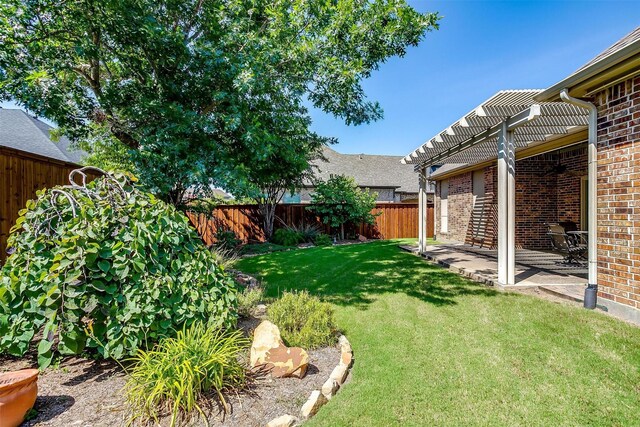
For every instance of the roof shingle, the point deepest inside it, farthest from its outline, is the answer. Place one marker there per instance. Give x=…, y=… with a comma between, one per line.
x=20, y=131
x=368, y=170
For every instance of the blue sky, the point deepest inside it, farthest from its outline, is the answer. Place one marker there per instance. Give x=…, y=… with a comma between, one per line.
x=482, y=47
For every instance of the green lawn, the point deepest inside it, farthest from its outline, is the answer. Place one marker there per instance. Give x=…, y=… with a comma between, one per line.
x=432, y=348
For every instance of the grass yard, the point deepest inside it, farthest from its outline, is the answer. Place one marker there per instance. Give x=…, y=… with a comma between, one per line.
x=432, y=348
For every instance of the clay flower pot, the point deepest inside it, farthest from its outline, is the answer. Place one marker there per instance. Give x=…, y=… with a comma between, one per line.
x=18, y=391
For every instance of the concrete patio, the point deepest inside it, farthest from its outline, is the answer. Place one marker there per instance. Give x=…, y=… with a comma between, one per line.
x=545, y=270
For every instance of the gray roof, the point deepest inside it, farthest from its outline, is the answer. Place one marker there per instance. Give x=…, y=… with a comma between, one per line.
x=373, y=171
x=20, y=131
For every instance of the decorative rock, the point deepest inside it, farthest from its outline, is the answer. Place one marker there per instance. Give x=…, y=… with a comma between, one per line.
x=283, y=362
x=346, y=359
x=283, y=421
x=362, y=238
x=269, y=352
x=330, y=388
x=313, y=404
x=265, y=337
x=339, y=373
x=345, y=346
x=260, y=310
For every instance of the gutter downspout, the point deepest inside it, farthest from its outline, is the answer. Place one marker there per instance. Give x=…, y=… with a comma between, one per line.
x=591, y=291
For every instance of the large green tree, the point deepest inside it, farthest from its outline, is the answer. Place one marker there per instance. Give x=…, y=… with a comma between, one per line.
x=197, y=90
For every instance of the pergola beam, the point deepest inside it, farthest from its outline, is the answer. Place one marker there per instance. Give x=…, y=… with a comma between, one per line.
x=524, y=116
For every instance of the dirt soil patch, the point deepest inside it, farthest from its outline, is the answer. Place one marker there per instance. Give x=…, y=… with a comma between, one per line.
x=81, y=392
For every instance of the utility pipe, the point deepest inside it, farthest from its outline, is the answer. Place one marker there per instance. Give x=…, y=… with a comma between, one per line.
x=592, y=289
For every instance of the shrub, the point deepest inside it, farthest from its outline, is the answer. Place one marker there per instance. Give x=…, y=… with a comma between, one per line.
x=286, y=237
x=176, y=374
x=106, y=266
x=248, y=299
x=304, y=320
x=226, y=239
x=323, y=240
x=307, y=232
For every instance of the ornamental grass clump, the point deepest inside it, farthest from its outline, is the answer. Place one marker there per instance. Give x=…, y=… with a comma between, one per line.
x=175, y=376
x=106, y=266
x=303, y=320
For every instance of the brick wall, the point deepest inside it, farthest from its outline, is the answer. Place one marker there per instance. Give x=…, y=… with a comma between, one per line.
x=536, y=201
x=619, y=192
x=569, y=185
x=542, y=196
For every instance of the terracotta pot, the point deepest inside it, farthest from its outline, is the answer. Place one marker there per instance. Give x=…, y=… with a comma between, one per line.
x=18, y=391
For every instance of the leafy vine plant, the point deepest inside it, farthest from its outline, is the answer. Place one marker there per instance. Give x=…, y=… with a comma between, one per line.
x=116, y=195
x=101, y=266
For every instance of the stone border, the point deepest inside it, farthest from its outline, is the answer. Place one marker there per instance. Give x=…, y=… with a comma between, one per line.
x=319, y=398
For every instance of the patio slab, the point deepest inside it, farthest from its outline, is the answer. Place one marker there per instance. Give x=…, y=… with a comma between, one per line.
x=533, y=268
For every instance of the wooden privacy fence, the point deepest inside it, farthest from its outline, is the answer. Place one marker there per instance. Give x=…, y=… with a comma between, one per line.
x=397, y=220
x=21, y=175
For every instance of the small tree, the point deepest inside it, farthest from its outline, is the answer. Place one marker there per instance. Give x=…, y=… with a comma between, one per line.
x=286, y=169
x=339, y=200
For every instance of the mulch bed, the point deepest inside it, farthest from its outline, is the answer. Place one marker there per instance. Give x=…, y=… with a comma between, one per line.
x=81, y=392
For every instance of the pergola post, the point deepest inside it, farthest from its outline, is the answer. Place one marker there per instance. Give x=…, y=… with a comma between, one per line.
x=422, y=211
x=502, y=204
x=506, y=206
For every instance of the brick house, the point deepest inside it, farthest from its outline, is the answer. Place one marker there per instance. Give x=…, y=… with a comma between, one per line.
x=569, y=154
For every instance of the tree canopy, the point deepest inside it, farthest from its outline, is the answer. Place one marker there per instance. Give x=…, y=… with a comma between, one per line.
x=197, y=91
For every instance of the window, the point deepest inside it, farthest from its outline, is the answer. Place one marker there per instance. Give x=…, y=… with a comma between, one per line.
x=478, y=187
x=444, y=206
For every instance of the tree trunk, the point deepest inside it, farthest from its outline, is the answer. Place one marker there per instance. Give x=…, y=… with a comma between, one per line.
x=342, y=231
x=268, y=217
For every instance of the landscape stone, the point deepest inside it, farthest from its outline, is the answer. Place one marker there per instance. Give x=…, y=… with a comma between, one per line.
x=283, y=421
x=339, y=373
x=330, y=388
x=286, y=361
x=260, y=310
x=313, y=404
x=345, y=345
x=265, y=337
x=346, y=359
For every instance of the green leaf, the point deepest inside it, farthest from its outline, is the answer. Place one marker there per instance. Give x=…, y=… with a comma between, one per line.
x=44, y=346
x=71, y=343
x=104, y=265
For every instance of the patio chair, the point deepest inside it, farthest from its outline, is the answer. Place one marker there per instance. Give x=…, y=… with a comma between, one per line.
x=571, y=247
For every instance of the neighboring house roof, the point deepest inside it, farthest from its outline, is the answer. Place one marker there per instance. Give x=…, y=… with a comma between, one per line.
x=221, y=194
x=20, y=131
x=618, y=53
x=368, y=170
